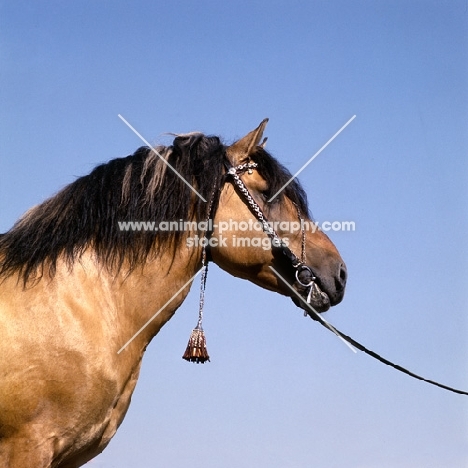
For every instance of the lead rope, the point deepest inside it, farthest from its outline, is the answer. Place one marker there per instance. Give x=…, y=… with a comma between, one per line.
x=381, y=359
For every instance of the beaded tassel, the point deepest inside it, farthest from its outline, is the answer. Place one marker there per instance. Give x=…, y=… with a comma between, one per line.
x=196, y=348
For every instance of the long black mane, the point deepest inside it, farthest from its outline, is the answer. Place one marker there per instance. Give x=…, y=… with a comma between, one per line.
x=85, y=214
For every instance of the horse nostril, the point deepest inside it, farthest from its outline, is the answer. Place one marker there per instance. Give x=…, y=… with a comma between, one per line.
x=340, y=280
x=343, y=273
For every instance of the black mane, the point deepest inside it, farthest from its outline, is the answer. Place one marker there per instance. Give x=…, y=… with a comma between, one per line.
x=139, y=187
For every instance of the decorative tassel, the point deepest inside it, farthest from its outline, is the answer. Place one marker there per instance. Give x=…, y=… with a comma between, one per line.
x=196, y=348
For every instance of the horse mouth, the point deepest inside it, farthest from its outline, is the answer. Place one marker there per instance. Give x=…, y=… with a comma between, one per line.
x=318, y=299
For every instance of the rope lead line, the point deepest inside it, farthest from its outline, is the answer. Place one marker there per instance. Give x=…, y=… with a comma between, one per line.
x=396, y=366
x=316, y=316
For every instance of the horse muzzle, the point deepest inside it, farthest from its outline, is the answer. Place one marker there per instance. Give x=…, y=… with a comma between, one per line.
x=314, y=293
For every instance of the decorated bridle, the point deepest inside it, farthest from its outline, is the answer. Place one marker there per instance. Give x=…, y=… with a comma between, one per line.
x=196, y=350
x=304, y=274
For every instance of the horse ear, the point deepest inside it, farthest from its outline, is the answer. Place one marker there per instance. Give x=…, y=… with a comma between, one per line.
x=241, y=149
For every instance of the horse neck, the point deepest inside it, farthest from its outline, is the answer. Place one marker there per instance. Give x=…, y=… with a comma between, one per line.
x=122, y=311
x=150, y=295
x=156, y=290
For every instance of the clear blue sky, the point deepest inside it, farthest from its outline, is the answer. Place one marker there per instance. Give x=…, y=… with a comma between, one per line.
x=280, y=392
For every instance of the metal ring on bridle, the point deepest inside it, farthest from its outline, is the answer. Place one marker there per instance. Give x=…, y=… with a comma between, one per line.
x=301, y=268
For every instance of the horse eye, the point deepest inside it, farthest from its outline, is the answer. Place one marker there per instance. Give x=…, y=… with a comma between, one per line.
x=266, y=195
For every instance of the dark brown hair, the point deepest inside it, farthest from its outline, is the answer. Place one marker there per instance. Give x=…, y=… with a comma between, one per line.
x=140, y=187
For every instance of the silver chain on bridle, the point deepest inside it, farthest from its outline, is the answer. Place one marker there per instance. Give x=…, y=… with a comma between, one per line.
x=304, y=274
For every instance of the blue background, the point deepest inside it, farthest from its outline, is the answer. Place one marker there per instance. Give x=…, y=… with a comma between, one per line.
x=280, y=390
